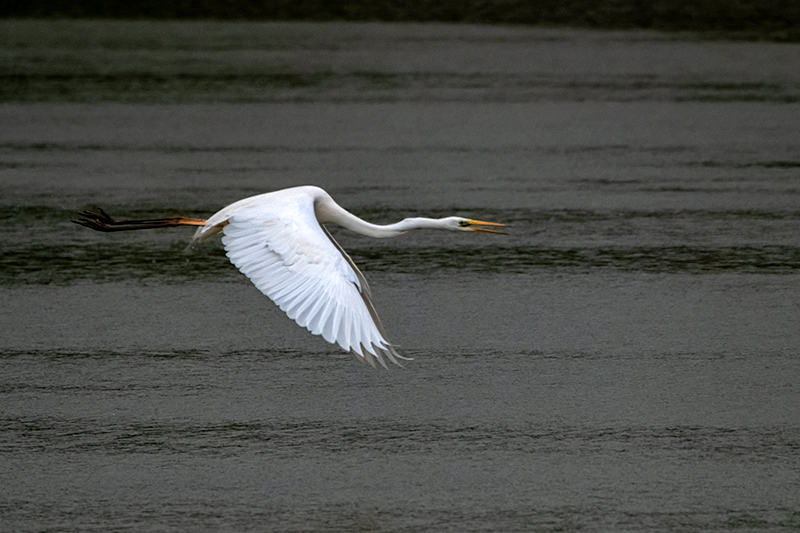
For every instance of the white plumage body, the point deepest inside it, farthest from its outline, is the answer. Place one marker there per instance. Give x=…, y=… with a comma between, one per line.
x=277, y=241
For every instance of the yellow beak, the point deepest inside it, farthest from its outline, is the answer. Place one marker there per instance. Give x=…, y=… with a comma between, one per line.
x=484, y=230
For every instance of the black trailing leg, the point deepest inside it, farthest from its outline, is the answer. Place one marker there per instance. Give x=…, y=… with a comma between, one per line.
x=99, y=220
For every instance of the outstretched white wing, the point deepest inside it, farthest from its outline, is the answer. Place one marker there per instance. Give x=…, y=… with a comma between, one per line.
x=289, y=257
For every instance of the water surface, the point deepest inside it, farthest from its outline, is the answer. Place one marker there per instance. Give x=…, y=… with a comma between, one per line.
x=626, y=359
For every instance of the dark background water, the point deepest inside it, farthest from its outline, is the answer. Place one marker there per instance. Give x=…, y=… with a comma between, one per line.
x=626, y=359
x=750, y=19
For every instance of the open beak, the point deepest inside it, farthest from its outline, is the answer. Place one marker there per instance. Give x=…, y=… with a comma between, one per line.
x=486, y=230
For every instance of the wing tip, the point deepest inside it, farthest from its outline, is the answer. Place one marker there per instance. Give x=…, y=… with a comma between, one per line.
x=380, y=354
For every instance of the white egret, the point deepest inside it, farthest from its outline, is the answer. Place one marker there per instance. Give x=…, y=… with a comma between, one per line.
x=280, y=242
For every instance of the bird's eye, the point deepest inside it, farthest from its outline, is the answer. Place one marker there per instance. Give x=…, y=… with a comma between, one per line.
x=463, y=223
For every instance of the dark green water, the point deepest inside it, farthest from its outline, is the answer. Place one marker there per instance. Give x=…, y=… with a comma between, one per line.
x=625, y=360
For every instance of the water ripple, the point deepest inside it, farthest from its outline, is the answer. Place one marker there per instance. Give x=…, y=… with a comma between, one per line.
x=390, y=437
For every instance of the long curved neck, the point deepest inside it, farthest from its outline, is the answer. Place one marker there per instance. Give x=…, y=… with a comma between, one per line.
x=329, y=211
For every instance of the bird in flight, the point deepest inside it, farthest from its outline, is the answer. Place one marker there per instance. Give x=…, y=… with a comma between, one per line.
x=280, y=242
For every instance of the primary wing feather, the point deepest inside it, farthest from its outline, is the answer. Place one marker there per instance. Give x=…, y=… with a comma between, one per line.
x=289, y=257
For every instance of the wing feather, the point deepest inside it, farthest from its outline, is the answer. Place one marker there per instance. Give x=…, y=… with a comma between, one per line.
x=293, y=260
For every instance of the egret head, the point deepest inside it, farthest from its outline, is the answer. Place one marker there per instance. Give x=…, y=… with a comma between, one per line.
x=468, y=224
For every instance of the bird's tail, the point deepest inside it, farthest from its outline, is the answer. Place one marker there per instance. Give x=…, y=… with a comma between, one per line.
x=99, y=220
